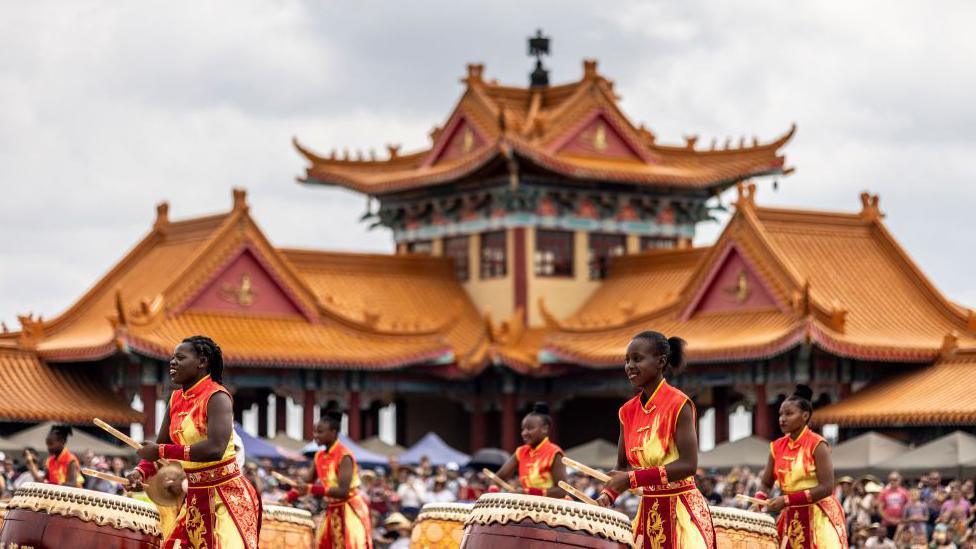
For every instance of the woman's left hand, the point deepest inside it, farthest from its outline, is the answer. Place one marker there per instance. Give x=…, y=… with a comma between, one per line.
x=619, y=481
x=149, y=451
x=776, y=505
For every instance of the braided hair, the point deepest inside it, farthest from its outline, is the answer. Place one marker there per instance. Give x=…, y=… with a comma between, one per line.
x=671, y=347
x=207, y=348
x=541, y=411
x=802, y=399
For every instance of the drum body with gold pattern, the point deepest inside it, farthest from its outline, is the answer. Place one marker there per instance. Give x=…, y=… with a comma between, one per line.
x=440, y=526
x=517, y=521
x=45, y=515
x=3, y=512
x=285, y=528
x=739, y=529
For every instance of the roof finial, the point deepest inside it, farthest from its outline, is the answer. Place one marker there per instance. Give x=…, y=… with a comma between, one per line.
x=869, y=207
x=162, y=215
x=394, y=150
x=475, y=73
x=240, y=199
x=538, y=47
x=747, y=194
x=589, y=69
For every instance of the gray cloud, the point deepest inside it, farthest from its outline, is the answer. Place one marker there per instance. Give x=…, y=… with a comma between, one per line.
x=107, y=108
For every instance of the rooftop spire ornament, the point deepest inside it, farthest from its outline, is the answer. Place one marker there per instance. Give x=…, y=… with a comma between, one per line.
x=539, y=46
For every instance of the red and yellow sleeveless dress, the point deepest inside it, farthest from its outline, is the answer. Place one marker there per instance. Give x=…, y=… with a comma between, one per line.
x=535, y=466
x=57, y=469
x=346, y=523
x=818, y=525
x=221, y=510
x=673, y=515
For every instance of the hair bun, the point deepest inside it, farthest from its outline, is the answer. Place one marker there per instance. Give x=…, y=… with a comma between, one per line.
x=541, y=408
x=334, y=415
x=804, y=392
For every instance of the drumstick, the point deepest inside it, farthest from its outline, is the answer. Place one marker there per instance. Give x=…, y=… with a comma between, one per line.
x=105, y=476
x=284, y=479
x=117, y=434
x=123, y=437
x=754, y=501
x=576, y=493
x=495, y=478
x=602, y=477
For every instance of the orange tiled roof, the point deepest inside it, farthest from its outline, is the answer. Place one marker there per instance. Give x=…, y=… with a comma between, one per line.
x=349, y=310
x=839, y=281
x=34, y=391
x=533, y=125
x=941, y=394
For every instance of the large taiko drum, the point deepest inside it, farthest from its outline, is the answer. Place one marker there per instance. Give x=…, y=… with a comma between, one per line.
x=738, y=529
x=47, y=516
x=440, y=526
x=285, y=528
x=517, y=521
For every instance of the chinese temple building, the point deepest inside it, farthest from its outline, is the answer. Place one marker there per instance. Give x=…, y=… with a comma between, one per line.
x=539, y=231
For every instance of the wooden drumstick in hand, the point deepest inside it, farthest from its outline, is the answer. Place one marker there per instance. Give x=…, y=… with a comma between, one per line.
x=754, y=501
x=123, y=437
x=497, y=480
x=283, y=479
x=576, y=493
x=586, y=470
x=105, y=476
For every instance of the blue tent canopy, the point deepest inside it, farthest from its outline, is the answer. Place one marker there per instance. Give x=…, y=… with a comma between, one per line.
x=256, y=448
x=362, y=455
x=435, y=449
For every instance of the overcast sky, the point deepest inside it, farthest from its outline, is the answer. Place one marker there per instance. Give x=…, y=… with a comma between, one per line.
x=107, y=108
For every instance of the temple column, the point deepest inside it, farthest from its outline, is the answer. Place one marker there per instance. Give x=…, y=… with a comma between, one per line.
x=263, y=414
x=761, y=424
x=281, y=414
x=355, y=416
x=240, y=404
x=308, y=414
x=520, y=276
x=477, y=425
x=147, y=393
x=721, y=405
x=370, y=422
x=508, y=415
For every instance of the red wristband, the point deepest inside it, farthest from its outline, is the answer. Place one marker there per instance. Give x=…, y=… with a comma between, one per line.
x=613, y=495
x=175, y=451
x=292, y=495
x=317, y=490
x=652, y=476
x=147, y=468
x=761, y=495
x=535, y=491
x=798, y=498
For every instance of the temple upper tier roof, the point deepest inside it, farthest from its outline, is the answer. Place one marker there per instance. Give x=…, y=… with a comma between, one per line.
x=576, y=131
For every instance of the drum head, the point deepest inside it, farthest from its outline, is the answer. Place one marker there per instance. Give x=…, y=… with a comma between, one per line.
x=598, y=521
x=87, y=505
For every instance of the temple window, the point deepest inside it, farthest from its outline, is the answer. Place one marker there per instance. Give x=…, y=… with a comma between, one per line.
x=657, y=243
x=553, y=253
x=494, y=255
x=420, y=247
x=456, y=248
x=602, y=248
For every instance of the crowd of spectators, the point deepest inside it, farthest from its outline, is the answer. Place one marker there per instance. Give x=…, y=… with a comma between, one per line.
x=929, y=512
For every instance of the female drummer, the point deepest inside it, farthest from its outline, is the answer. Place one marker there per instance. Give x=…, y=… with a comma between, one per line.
x=221, y=508
x=62, y=466
x=657, y=451
x=538, y=461
x=812, y=518
x=347, y=522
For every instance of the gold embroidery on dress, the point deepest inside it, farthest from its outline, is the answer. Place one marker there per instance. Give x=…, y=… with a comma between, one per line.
x=336, y=520
x=698, y=507
x=656, y=536
x=795, y=533
x=195, y=527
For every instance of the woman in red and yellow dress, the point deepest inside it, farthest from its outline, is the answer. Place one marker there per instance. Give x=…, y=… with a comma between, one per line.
x=538, y=460
x=811, y=517
x=62, y=466
x=346, y=524
x=221, y=509
x=658, y=451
